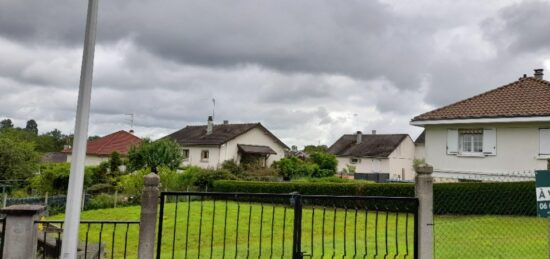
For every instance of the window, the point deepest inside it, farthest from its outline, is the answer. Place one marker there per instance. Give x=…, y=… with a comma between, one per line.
x=354, y=160
x=204, y=155
x=471, y=141
x=185, y=154
x=544, y=142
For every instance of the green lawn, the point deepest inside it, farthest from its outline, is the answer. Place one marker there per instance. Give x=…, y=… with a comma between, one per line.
x=456, y=237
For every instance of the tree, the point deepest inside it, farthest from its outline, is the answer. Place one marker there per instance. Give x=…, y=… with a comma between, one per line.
x=149, y=154
x=6, y=124
x=90, y=138
x=32, y=126
x=325, y=160
x=18, y=159
x=114, y=162
x=310, y=149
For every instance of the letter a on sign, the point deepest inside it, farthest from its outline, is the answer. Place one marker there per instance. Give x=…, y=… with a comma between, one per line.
x=543, y=193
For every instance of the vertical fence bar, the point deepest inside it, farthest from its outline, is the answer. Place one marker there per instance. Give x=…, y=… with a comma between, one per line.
x=161, y=217
x=297, y=235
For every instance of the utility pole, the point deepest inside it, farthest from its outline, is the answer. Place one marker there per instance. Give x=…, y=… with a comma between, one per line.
x=76, y=179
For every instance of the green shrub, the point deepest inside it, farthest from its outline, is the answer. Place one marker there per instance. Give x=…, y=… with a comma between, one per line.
x=509, y=198
x=101, y=201
x=54, y=178
x=325, y=161
x=232, y=167
x=312, y=188
x=205, y=179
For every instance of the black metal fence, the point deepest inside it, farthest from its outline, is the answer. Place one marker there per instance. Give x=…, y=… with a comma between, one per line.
x=488, y=216
x=99, y=239
x=239, y=225
x=2, y=234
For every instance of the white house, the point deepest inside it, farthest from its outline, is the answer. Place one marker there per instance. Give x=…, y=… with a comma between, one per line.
x=497, y=132
x=420, y=146
x=379, y=156
x=100, y=150
x=208, y=146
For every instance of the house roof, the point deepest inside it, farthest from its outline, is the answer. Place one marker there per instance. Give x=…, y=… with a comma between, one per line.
x=378, y=145
x=256, y=149
x=221, y=133
x=421, y=139
x=526, y=97
x=119, y=142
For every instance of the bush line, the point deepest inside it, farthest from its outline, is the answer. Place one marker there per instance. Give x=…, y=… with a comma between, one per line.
x=506, y=198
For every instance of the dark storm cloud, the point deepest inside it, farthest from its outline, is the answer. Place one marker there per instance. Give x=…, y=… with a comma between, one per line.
x=309, y=70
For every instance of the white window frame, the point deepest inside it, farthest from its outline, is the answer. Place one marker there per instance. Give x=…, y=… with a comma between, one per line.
x=183, y=152
x=207, y=152
x=357, y=160
x=472, y=141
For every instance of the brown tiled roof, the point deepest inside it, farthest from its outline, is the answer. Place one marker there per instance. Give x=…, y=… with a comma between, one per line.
x=222, y=133
x=120, y=142
x=526, y=97
x=379, y=145
x=256, y=149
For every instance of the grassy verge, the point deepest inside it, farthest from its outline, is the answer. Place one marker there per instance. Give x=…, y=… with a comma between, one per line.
x=456, y=236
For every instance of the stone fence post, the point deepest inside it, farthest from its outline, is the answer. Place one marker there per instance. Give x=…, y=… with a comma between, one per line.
x=20, y=239
x=424, y=193
x=148, y=219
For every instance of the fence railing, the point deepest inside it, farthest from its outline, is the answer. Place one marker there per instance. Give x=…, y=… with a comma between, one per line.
x=100, y=239
x=234, y=225
x=2, y=234
x=494, y=217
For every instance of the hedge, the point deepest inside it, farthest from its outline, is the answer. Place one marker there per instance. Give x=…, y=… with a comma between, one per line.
x=506, y=198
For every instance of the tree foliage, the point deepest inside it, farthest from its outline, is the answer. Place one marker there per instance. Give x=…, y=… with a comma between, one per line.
x=311, y=149
x=32, y=126
x=149, y=154
x=18, y=159
x=6, y=124
x=54, y=178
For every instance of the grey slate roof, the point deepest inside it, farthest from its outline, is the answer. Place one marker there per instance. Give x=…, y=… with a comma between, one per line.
x=421, y=139
x=54, y=157
x=221, y=133
x=256, y=149
x=378, y=145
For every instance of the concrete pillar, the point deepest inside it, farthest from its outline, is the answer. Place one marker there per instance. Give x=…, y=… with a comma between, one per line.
x=20, y=239
x=148, y=219
x=424, y=192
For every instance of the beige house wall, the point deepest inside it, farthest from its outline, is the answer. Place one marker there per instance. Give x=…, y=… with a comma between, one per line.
x=91, y=160
x=229, y=150
x=399, y=162
x=516, y=150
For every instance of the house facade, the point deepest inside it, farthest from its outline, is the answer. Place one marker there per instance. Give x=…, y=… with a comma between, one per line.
x=389, y=156
x=420, y=146
x=208, y=146
x=100, y=150
x=501, y=131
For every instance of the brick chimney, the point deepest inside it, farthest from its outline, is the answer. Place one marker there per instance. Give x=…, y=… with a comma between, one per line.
x=539, y=73
x=373, y=132
x=209, y=126
x=359, y=137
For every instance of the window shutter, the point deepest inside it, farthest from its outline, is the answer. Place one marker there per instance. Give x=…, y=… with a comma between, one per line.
x=544, y=141
x=490, y=142
x=452, y=141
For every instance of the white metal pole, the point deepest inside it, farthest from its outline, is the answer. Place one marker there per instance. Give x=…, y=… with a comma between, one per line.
x=76, y=179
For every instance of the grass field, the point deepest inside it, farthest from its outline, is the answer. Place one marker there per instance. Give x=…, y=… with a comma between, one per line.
x=456, y=236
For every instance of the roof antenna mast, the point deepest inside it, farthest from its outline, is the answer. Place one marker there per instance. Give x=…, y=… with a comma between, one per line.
x=131, y=121
x=213, y=107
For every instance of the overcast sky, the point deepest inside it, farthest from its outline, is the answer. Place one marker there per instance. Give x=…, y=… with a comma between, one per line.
x=309, y=70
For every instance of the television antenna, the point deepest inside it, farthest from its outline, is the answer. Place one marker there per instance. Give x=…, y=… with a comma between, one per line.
x=131, y=120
